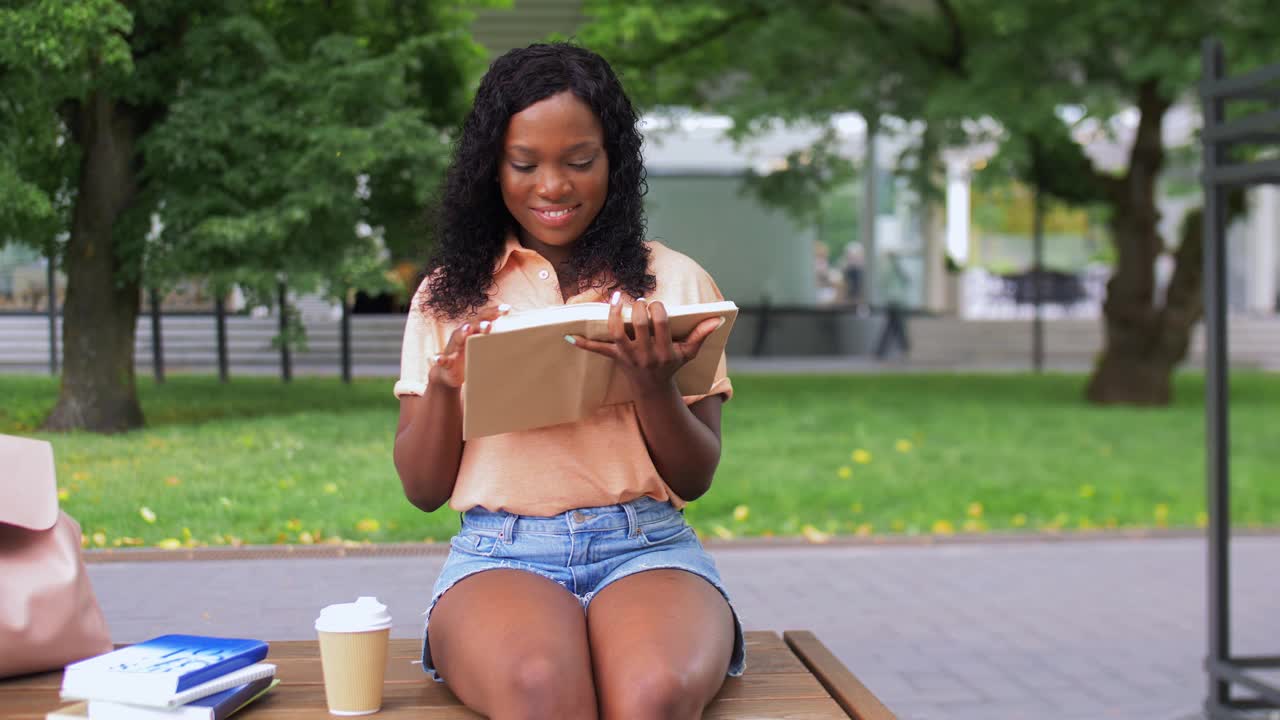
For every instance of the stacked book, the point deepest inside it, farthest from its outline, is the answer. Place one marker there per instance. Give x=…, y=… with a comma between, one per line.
x=171, y=677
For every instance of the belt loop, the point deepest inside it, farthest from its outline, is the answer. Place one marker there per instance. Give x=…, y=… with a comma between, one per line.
x=633, y=523
x=509, y=528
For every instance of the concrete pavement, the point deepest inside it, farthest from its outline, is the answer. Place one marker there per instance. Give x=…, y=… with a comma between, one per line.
x=1035, y=630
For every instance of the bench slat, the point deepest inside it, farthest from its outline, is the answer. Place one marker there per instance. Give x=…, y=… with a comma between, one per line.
x=755, y=684
x=766, y=653
x=846, y=689
x=401, y=701
x=793, y=677
x=802, y=709
x=407, y=648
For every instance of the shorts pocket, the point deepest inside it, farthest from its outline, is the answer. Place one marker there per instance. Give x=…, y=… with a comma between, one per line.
x=665, y=531
x=476, y=542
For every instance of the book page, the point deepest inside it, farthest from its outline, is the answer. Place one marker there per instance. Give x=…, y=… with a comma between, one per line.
x=594, y=311
x=550, y=316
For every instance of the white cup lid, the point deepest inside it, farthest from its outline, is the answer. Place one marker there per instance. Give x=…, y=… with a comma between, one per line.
x=363, y=615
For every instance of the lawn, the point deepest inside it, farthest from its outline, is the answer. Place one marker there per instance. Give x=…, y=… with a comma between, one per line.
x=258, y=461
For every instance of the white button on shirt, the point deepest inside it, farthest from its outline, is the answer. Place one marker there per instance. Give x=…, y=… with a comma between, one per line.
x=544, y=274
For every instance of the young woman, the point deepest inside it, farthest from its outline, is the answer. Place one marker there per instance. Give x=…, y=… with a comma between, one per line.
x=575, y=588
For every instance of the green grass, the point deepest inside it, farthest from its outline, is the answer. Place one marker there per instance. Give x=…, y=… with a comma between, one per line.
x=258, y=461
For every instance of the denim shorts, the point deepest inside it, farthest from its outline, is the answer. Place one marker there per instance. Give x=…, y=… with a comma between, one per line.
x=581, y=550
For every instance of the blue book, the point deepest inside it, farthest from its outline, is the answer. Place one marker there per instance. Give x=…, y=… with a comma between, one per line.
x=217, y=706
x=163, y=669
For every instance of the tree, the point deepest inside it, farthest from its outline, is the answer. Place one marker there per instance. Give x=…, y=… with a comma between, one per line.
x=951, y=61
x=259, y=133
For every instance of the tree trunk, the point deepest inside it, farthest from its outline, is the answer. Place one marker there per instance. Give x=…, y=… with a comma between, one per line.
x=1130, y=378
x=1141, y=349
x=100, y=314
x=1135, y=367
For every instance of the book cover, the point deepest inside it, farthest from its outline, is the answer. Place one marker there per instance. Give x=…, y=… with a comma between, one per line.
x=523, y=375
x=161, y=666
x=173, y=700
x=217, y=706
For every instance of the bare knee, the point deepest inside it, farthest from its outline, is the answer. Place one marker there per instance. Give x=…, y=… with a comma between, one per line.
x=533, y=680
x=535, y=686
x=657, y=693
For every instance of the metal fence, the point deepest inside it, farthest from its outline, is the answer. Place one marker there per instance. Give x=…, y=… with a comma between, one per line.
x=1225, y=170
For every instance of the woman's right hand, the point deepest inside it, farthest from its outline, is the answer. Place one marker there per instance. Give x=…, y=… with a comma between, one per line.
x=449, y=367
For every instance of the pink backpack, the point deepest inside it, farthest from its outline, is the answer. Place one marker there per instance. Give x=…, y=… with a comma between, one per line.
x=48, y=614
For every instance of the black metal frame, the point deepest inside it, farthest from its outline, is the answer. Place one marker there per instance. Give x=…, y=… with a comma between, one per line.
x=1221, y=174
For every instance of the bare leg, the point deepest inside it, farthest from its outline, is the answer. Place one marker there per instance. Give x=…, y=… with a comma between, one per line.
x=512, y=644
x=661, y=642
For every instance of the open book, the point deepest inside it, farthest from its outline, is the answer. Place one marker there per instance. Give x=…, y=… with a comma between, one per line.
x=523, y=375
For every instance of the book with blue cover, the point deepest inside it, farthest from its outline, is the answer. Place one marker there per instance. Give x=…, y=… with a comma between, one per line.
x=167, y=671
x=217, y=706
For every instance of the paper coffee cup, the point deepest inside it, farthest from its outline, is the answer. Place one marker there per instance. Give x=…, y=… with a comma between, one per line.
x=353, y=655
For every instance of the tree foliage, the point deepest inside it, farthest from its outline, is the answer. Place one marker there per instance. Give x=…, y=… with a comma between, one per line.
x=260, y=133
x=45, y=51
x=970, y=70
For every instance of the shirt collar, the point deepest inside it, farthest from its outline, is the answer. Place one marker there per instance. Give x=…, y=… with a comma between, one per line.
x=511, y=247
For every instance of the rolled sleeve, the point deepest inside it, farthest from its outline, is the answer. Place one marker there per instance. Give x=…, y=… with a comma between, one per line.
x=705, y=290
x=421, y=341
x=722, y=386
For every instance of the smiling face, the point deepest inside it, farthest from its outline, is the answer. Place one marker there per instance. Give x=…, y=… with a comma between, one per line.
x=554, y=172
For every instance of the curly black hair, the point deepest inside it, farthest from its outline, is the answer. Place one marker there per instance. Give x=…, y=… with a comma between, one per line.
x=472, y=220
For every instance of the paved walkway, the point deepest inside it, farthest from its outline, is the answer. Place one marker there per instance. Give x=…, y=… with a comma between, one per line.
x=1075, y=630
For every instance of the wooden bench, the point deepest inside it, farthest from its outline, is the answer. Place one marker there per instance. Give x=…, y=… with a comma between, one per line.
x=793, y=677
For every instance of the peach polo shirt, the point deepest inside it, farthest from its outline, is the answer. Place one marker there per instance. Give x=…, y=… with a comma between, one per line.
x=601, y=460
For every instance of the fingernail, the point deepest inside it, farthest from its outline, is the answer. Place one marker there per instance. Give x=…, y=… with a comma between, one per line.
x=570, y=339
x=617, y=295
x=504, y=308
x=466, y=328
x=641, y=300
x=721, y=323
x=484, y=325
x=435, y=359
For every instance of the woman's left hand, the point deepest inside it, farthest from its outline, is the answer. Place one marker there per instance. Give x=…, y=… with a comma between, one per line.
x=650, y=359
